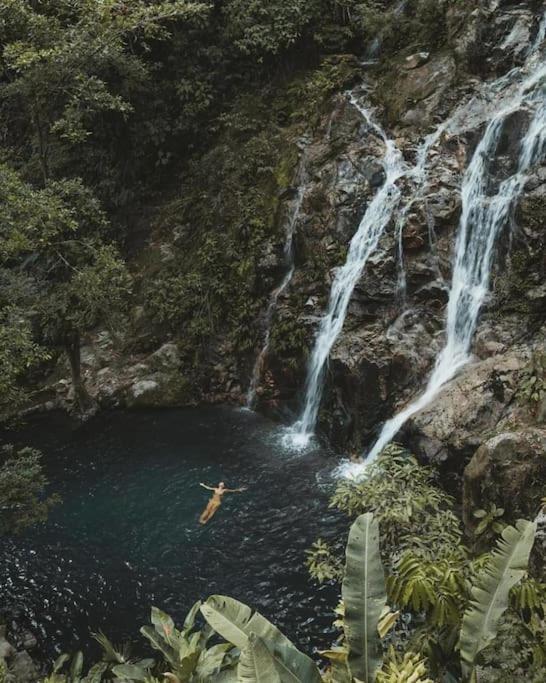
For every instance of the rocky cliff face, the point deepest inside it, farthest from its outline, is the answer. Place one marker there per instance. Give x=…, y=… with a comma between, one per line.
x=394, y=326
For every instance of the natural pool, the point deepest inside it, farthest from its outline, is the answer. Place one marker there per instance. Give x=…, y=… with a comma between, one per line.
x=126, y=534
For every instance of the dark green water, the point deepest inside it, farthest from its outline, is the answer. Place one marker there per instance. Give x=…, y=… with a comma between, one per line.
x=126, y=534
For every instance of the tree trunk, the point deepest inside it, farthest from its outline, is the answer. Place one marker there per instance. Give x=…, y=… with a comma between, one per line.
x=83, y=402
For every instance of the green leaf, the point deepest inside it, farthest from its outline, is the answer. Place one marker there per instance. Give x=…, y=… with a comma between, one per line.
x=95, y=673
x=235, y=621
x=507, y=567
x=257, y=664
x=131, y=672
x=189, y=621
x=482, y=526
x=163, y=623
x=211, y=660
x=77, y=665
x=60, y=662
x=159, y=643
x=364, y=594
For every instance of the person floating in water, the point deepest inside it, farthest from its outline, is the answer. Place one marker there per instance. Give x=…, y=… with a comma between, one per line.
x=216, y=500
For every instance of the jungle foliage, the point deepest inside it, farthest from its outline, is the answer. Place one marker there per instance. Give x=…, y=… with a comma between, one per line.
x=454, y=594
x=109, y=107
x=253, y=650
x=23, y=502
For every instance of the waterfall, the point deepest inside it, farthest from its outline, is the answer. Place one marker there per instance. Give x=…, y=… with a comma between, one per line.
x=364, y=243
x=484, y=215
x=276, y=293
x=362, y=246
x=541, y=34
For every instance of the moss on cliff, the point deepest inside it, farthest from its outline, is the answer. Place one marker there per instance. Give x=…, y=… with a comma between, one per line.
x=219, y=242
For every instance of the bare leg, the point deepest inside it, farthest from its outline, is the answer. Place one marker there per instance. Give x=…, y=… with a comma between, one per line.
x=208, y=512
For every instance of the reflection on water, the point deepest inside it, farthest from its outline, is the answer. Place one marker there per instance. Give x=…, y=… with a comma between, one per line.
x=126, y=535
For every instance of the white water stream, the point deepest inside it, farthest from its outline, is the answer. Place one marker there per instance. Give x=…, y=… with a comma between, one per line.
x=385, y=206
x=276, y=293
x=363, y=244
x=484, y=215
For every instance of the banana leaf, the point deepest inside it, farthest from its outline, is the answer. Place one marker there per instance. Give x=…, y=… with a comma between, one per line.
x=95, y=673
x=211, y=660
x=131, y=672
x=235, y=621
x=364, y=596
x=163, y=623
x=256, y=664
x=490, y=596
x=76, y=666
x=158, y=642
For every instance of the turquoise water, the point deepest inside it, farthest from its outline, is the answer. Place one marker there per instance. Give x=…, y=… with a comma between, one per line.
x=127, y=535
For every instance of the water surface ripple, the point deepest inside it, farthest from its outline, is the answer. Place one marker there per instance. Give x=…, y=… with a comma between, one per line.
x=126, y=534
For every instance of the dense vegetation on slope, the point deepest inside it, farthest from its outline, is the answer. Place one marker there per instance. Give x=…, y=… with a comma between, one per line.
x=102, y=104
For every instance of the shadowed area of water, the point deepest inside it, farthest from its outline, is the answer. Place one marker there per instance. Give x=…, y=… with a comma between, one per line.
x=126, y=534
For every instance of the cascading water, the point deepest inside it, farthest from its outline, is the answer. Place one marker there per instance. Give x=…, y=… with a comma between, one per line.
x=276, y=293
x=483, y=218
x=365, y=241
x=363, y=244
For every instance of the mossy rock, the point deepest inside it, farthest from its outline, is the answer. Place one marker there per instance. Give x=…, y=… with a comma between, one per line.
x=508, y=470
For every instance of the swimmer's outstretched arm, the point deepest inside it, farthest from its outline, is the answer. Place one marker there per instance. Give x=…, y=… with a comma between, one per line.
x=240, y=490
x=210, y=488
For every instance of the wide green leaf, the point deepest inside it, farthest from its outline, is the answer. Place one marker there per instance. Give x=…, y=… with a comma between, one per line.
x=77, y=665
x=131, y=672
x=490, y=596
x=212, y=660
x=235, y=621
x=162, y=622
x=257, y=664
x=95, y=673
x=189, y=621
x=364, y=595
x=159, y=643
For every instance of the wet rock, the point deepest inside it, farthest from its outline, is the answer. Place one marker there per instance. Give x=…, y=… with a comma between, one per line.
x=416, y=60
x=144, y=387
x=6, y=649
x=166, y=358
x=467, y=409
x=423, y=86
x=515, y=26
x=23, y=669
x=508, y=470
x=29, y=641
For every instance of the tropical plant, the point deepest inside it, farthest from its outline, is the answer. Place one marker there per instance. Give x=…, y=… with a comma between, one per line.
x=532, y=385
x=490, y=596
x=411, y=508
x=407, y=668
x=256, y=651
x=236, y=622
x=434, y=587
x=186, y=652
x=364, y=596
x=68, y=669
x=257, y=664
x=22, y=487
x=429, y=577
x=489, y=520
x=323, y=563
